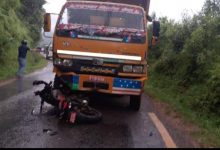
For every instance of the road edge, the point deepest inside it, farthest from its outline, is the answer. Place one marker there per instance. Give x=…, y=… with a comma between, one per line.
x=168, y=116
x=12, y=79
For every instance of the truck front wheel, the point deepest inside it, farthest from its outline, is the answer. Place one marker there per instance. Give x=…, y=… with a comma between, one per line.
x=57, y=82
x=135, y=102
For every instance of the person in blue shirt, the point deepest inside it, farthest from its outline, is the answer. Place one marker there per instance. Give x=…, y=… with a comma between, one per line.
x=22, y=54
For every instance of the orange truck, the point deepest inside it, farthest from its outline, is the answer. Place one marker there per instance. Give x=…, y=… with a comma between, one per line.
x=101, y=46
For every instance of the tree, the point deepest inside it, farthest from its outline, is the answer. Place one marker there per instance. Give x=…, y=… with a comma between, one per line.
x=19, y=19
x=31, y=13
x=211, y=8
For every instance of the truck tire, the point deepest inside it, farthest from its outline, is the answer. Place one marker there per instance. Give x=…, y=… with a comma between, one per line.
x=57, y=82
x=61, y=85
x=135, y=102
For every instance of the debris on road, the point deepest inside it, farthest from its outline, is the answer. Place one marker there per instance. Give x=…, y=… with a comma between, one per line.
x=50, y=132
x=71, y=108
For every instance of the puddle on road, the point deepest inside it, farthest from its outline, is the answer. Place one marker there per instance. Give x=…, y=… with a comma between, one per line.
x=19, y=86
x=47, y=110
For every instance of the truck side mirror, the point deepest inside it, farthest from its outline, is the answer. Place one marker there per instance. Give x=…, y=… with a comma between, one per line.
x=149, y=18
x=47, y=22
x=156, y=32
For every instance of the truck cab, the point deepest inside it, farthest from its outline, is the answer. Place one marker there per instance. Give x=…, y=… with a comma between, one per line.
x=102, y=47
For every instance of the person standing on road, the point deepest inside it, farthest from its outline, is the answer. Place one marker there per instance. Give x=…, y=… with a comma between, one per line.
x=22, y=53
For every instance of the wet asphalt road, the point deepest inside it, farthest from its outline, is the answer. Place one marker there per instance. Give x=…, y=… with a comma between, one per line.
x=120, y=127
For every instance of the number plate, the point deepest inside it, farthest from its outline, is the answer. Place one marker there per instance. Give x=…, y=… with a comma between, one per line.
x=96, y=79
x=73, y=117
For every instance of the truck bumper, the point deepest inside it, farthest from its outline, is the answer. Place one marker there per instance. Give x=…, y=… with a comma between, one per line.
x=104, y=84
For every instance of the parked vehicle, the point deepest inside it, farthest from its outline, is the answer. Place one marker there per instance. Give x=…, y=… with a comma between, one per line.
x=49, y=51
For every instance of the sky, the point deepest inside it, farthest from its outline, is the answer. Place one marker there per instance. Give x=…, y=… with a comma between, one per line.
x=173, y=9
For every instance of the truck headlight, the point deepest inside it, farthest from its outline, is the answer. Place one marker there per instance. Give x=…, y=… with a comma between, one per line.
x=67, y=62
x=58, y=61
x=63, y=62
x=127, y=68
x=138, y=69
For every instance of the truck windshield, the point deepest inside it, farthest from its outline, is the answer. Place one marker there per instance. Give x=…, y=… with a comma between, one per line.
x=102, y=19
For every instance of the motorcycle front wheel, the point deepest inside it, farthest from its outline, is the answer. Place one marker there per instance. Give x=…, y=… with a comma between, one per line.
x=89, y=115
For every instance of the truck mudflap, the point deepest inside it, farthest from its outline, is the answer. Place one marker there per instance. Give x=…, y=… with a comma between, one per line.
x=102, y=84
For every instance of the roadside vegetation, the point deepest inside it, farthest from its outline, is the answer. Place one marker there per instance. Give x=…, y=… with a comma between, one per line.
x=19, y=19
x=185, y=70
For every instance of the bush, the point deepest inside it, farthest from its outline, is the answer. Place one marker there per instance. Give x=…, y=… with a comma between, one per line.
x=210, y=103
x=188, y=50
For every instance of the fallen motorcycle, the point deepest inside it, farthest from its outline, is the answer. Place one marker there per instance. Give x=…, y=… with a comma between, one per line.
x=71, y=108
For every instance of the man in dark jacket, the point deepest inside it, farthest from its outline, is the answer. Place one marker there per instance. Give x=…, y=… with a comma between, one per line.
x=22, y=53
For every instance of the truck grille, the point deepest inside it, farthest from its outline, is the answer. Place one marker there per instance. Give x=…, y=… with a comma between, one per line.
x=87, y=67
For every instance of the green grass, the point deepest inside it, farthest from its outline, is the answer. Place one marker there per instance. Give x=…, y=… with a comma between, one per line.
x=181, y=101
x=9, y=68
x=36, y=61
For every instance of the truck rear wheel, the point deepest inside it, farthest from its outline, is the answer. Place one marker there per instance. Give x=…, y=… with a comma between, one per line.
x=135, y=102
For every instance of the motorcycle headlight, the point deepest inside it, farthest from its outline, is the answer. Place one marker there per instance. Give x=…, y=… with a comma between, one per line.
x=127, y=68
x=138, y=69
x=67, y=62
